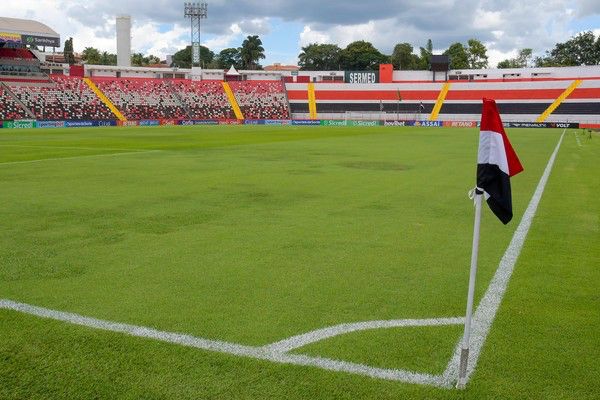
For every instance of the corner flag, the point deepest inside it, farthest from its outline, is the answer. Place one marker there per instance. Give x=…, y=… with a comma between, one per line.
x=496, y=162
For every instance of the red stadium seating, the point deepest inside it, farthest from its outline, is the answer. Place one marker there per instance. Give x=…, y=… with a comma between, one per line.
x=261, y=99
x=64, y=99
x=9, y=108
x=15, y=53
x=204, y=99
x=139, y=98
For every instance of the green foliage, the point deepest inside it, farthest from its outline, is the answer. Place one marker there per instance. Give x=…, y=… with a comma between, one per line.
x=228, y=57
x=522, y=60
x=361, y=55
x=91, y=56
x=583, y=49
x=139, y=60
x=108, y=58
x=68, y=51
x=403, y=57
x=251, y=53
x=320, y=57
x=183, y=58
x=426, y=53
x=477, y=54
x=459, y=58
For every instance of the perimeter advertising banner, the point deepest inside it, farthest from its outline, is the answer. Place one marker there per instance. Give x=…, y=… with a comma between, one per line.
x=50, y=124
x=361, y=76
x=40, y=41
x=188, y=122
x=110, y=122
x=395, y=123
x=334, y=122
x=79, y=124
x=22, y=124
x=460, y=124
x=277, y=122
x=6, y=37
x=306, y=122
x=149, y=122
x=426, y=123
x=364, y=123
x=128, y=123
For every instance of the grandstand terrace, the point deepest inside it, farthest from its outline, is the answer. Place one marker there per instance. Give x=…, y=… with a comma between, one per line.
x=569, y=94
x=62, y=98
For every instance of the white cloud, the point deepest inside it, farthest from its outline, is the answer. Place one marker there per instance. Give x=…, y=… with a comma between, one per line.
x=221, y=42
x=503, y=26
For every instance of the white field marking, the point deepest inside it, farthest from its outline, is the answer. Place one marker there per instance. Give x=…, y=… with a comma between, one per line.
x=68, y=147
x=75, y=157
x=262, y=353
x=578, y=140
x=304, y=339
x=488, y=307
x=276, y=352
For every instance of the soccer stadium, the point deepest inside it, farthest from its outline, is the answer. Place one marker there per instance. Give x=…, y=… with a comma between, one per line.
x=174, y=232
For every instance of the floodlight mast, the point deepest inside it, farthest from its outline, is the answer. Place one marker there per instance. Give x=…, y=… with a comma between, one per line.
x=195, y=12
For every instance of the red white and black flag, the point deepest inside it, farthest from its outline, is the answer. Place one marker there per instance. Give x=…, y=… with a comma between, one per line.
x=496, y=162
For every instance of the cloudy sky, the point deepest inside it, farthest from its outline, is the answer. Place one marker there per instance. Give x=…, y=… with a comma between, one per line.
x=285, y=26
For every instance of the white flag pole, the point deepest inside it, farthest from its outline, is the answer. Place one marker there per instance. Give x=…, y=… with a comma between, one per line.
x=464, y=354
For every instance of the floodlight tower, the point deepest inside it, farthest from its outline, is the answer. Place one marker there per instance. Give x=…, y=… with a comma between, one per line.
x=195, y=12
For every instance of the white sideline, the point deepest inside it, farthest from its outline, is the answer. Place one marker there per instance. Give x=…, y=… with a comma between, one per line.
x=75, y=157
x=489, y=304
x=277, y=352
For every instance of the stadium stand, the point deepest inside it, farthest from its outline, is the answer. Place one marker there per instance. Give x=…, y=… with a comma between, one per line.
x=18, y=61
x=203, y=99
x=9, y=108
x=63, y=98
x=261, y=99
x=140, y=98
x=520, y=100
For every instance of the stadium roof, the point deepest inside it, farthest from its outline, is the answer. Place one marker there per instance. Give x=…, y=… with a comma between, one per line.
x=27, y=31
x=26, y=27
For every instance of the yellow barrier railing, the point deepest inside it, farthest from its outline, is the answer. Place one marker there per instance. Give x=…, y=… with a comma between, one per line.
x=232, y=100
x=440, y=101
x=104, y=99
x=558, y=101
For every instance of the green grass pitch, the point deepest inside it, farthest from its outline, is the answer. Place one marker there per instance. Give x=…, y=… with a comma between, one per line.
x=255, y=234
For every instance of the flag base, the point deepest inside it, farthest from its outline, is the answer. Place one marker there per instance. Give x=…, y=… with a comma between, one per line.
x=462, y=369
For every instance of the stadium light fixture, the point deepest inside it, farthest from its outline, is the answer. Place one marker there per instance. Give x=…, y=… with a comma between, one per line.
x=195, y=12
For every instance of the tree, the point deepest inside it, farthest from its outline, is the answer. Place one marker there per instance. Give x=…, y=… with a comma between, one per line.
x=251, y=52
x=228, y=57
x=108, y=58
x=68, y=51
x=426, y=53
x=137, y=60
x=91, y=56
x=151, y=59
x=477, y=54
x=320, y=57
x=522, y=60
x=459, y=58
x=583, y=49
x=361, y=55
x=183, y=58
x=403, y=57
